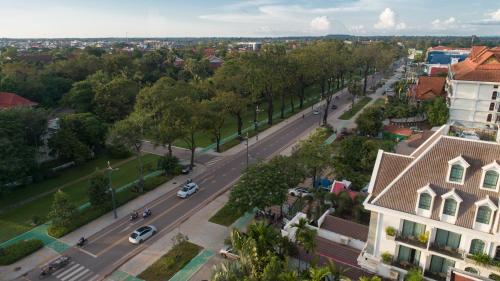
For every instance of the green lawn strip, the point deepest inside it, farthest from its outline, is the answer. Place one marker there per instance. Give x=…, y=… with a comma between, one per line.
x=173, y=261
x=203, y=139
x=19, y=250
x=18, y=220
x=226, y=216
x=357, y=107
x=66, y=176
x=379, y=102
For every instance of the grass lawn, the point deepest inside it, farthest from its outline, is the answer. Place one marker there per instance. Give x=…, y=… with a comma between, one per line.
x=17, y=220
x=204, y=139
x=169, y=264
x=226, y=216
x=379, y=102
x=357, y=107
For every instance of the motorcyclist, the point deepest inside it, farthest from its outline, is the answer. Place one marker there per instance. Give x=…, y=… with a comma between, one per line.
x=147, y=212
x=81, y=241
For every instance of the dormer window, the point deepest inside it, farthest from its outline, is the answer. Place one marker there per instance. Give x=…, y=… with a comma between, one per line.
x=456, y=170
x=484, y=214
x=449, y=206
x=490, y=176
x=425, y=201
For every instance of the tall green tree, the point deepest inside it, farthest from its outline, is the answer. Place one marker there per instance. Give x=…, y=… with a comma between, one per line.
x=369, y=122
x=62, y=210
x=437, y=112
x=214, y=113
x=98, y=191
x=115, y=100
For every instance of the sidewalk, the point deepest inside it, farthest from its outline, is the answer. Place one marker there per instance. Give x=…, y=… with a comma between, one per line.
x=45, y=254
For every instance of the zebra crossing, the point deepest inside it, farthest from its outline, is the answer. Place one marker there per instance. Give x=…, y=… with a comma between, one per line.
x=75, y=272
x=213, y=161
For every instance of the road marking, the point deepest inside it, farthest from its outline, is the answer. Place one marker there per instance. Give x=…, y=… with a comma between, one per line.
x=95, y=277
x=87, y=252
x=70, y=272
x=67, y=270
x=79, y=275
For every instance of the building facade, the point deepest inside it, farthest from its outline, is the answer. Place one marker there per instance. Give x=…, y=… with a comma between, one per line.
x=472, y=88
x=436, y=209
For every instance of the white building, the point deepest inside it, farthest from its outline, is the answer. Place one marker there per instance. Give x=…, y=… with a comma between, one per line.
x=442, y=204
x=472, y=89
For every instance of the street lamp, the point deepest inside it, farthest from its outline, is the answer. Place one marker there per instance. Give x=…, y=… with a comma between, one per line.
x=247, y=148
x=256, y=123
x=110, y=169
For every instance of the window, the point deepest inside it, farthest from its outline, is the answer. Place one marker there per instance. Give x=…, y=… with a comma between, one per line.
x=488, y=119
x=492, y=106
x=439, y=264
x=494, y=95
x=483, y=215
x=408, y=255
x=424, y=202
x=412, y=228
x=497, y=254
x=490, y=179
x=495, y=86
x=450, y=207
x=456, y=173
x=476, y=246
x=446, y=238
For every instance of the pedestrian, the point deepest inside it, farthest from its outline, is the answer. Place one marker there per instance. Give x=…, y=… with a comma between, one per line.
x=303, y=116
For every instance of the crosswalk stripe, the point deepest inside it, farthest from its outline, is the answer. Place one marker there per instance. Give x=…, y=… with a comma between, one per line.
x=63, y=268
x=72, y=273
x=67, y=270
x=213, y=161
x=79, y=275
x=95, y=277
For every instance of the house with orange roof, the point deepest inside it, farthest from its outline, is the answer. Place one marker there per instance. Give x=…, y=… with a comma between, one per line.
x=10, y=100
x=427, y=88
x=472, y=88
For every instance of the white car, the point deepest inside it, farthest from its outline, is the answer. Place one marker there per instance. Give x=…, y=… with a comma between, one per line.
x=187, y=189
x=471, y=135
x=142, y=234
x=228, y=253
x=299, y=192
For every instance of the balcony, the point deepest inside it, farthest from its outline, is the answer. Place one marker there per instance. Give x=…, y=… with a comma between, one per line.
x=404, y=265
x=441, y=276
x=446, y=250
x=411, y=240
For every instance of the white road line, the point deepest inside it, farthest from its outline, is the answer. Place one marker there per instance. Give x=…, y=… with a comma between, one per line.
x=87, y=275
x=64, y=278
x=95, y=277
x=79, y=275
x=87, y=252
x=67, y=270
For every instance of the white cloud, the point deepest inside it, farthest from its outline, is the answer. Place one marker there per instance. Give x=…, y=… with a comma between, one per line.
x=320, y=23
x=444, y=24
x=388, y=20
x=495, y=15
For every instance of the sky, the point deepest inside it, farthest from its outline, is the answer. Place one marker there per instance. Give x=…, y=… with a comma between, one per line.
x=248, y=18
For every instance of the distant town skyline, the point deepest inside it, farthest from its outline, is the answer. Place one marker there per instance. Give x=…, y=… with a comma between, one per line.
x=250, y=18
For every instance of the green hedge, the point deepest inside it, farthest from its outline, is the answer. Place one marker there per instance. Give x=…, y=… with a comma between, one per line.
x=90, y=214
x=19, y=250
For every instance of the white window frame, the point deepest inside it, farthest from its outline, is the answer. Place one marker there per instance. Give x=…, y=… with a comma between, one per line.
x=490, y=167
x=482, y=226
x=460, y=161
x=422, y=212
x=452, y=194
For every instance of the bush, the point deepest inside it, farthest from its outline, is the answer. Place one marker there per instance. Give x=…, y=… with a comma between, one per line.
x=117, y=151
x=391, y=231
x=414, y=274
x=19, y=250
x=481, y=258
x=169, y=164
x=154, y=182
x=424, y=237
x=386, y=257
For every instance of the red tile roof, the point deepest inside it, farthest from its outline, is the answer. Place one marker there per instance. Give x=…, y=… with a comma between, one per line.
x=10, y=100
x=483, y=64
x=345, y=227
x=435, y=71
x=339, y=187
x=429, y=87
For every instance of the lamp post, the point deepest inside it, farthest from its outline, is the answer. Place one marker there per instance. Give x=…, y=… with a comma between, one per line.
x=257, y=110
x=247, y=148
x=110, y=169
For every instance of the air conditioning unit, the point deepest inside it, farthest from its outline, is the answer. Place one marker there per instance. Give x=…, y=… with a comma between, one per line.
x=393, y=275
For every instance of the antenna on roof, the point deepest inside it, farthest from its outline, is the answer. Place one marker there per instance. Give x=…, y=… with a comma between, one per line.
x=472, y=41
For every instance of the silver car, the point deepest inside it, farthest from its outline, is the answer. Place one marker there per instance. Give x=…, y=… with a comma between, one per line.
x=142, y=234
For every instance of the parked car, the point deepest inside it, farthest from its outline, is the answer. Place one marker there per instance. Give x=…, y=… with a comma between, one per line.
x=299, y=192
x=187, y=190
x=228, y=253
x=142, y=234
x=315, y=111
x=334, y=106
x=186, y=169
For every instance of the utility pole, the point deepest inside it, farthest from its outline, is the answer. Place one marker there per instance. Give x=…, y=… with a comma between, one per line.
x=110, y=169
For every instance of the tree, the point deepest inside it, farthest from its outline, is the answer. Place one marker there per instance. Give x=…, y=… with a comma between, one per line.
x=115, y=100
x=80, y=97
x=354, y=89
x=214, y=114
x=66, y=146
x=236, y=105
x=260, y=186
x=319, y=273
x=313, y=154
x=191, y=121
x=304, y=236
x=369, y=122
x=338, y=272
x=290, y=168
x=62, y=211
x=228, y=271
x=98, y=192
x=130, y=133
x=437, y=112
x=414, y=274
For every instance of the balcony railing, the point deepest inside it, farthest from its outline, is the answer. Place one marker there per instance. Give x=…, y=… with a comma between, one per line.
x=446, y=250
x=411, y=240
x=441, y=276
x=404, y=265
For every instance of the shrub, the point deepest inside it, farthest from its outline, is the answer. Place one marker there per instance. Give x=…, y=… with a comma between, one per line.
x=391, y=231
x=154, y=182
x=117, y=151
x=386, y=257
x=169, y=164
x=19, y=250
x=414, y=274
x=424, y=237
x=481, y=258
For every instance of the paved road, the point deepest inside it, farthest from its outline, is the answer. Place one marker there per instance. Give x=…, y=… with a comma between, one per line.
x=109, y=248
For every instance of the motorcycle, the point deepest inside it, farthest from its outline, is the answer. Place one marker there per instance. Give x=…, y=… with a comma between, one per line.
x=146, y=213
x=82, y=242
x=133, y=216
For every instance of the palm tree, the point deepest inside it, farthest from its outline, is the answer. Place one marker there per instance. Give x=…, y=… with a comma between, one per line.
x=288, y=276
x=265, y=236
x=304, y=236
x=338, y=273
x=372, y=278
x=227, y=271
x=319, y=273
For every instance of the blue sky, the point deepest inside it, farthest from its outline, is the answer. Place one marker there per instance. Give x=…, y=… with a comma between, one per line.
x=172, y=18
